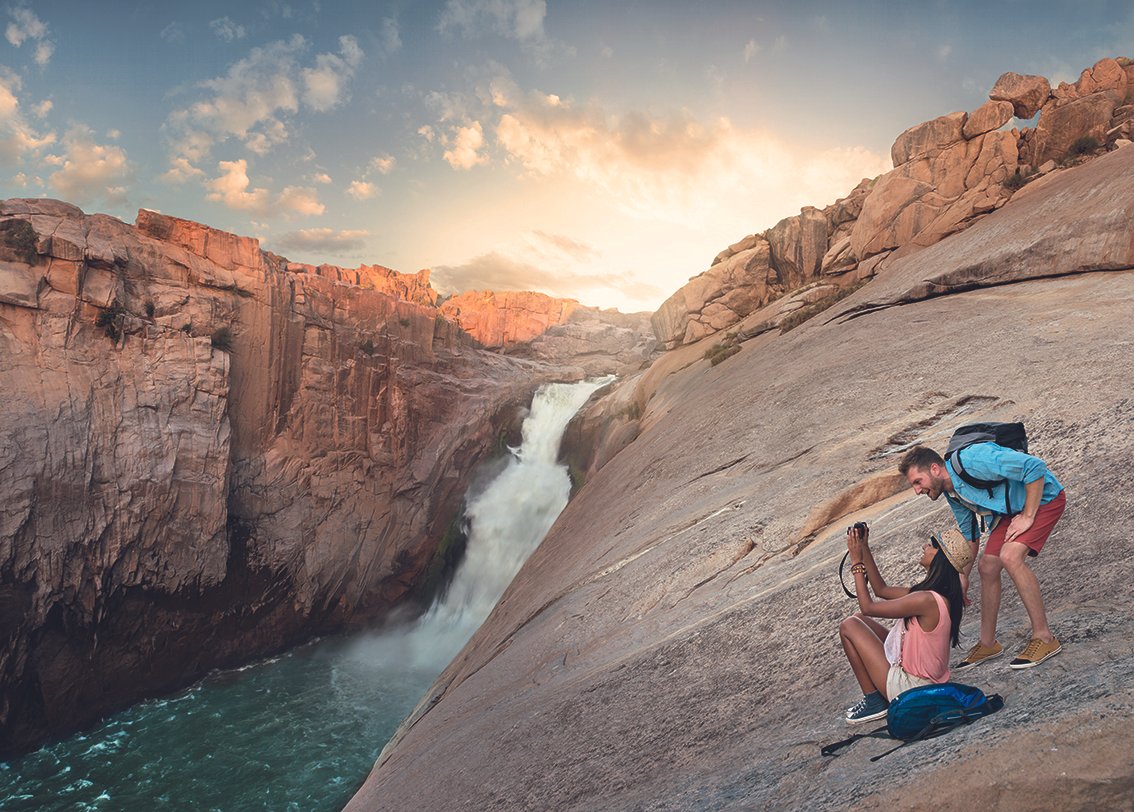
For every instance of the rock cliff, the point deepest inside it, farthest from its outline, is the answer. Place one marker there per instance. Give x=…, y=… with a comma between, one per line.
x=948, y=173
x=673, y=644
x=208, y=453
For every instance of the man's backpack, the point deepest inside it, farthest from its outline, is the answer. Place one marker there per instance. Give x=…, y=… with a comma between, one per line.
x=925, y=712
x=1007, y=435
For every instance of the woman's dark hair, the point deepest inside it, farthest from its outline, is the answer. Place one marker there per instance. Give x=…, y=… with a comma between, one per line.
x=946, y=582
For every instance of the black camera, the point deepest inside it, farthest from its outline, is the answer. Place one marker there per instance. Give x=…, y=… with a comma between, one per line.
x=860, y=527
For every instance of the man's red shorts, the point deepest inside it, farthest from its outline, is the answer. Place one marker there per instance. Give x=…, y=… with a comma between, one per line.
x=1036, y=535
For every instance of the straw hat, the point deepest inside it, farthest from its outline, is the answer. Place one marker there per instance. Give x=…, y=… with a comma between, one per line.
x=956, y=548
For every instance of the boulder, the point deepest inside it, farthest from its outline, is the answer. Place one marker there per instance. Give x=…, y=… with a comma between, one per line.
x=1105, y=76
x=928, y=138
x=797, y=246
x=1060, y=125
x=1026, y=93
x=991, y=115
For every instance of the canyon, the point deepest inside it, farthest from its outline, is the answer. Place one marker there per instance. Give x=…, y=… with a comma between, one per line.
x=211, y=453
x=673, y=643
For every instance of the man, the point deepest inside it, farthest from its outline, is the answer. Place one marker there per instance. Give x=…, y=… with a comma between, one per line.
x=1034, y=500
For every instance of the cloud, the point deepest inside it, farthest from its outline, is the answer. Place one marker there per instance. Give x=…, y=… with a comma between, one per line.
x=227, y=30
x=382, y=164
x=673, y=166
x=231, y=188
x=324, y=240
x=427, y=132
x=43, y=108
x=464, y=146
x=300, y=200
x=17, y=137
x=254, y=100
x=390, y=37
x=180, y=170
x=324, y=86
x=516, y=19
x=174, y=32
x=361, y=190
x=574, y=249
x=27, y=27
x=321, y=177
x=751, y=49
x=90, y=171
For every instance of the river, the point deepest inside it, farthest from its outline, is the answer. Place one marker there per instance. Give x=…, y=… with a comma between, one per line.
x=302, y=730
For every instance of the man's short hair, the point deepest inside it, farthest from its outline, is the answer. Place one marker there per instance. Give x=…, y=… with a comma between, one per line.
x=920, y=457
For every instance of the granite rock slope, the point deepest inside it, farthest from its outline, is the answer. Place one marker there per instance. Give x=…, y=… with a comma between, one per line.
x=208, y=453
x=672, y=644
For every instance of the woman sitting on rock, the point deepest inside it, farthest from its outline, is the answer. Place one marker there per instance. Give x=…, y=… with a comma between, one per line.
x=916, y=650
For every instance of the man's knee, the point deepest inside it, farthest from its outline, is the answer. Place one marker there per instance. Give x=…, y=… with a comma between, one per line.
x=989, y=566
x=1014, y=557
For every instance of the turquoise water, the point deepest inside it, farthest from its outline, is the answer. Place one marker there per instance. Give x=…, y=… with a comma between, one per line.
x=298, y=732
x=301, y=731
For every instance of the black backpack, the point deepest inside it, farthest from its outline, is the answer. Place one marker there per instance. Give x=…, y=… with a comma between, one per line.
x=925, y=712
x=1007, y=435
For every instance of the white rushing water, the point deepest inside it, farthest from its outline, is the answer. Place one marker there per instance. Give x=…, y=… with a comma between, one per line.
x=507, y=521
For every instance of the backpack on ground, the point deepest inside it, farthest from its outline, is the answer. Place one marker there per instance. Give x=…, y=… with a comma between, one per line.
x=1007, y=435
x=925, y=712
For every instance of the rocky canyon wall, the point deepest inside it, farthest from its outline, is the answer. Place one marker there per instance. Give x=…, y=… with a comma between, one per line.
x=208, y=453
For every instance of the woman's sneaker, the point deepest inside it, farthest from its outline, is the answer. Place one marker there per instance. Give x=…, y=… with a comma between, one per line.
x=870, y=707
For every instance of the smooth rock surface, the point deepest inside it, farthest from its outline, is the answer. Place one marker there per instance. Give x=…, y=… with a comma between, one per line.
x=672, y=644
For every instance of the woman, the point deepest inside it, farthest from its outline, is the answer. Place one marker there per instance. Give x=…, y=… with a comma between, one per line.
x=916, y=650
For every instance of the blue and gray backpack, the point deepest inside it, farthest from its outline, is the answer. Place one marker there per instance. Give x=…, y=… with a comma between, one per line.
x=927, y=711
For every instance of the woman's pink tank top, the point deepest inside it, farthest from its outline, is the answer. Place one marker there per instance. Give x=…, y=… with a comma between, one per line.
x=926, y=654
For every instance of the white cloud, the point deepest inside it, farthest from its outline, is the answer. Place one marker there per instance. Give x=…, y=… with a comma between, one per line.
x=325, y=84
x=43, y=108
x=516, y=19
x=390, y=37
x=180, y=170
x=226, y=29
x=174, y=32
x=751, y=49
x=427, y=132
x=361, y=190
x=321, y=177
x=383, y=164
x=674, y=167
x=300, y=200
x=90, y=171
x=464, y=147
x=231, y=188
x=27, y=27
x=326, y=240
x=258, y=95
x=17, y=137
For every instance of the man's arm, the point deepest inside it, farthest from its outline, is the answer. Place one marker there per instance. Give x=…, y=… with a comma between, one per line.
x=1023, y=520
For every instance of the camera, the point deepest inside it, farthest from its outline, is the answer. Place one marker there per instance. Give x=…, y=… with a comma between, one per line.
x=860, y=527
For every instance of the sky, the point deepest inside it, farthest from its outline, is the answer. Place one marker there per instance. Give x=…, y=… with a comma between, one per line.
x=603, y=151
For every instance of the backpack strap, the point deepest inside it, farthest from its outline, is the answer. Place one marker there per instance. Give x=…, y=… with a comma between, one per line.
x=984, y=484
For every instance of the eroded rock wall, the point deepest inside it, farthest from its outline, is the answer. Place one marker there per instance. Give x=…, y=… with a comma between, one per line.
x=208, y=453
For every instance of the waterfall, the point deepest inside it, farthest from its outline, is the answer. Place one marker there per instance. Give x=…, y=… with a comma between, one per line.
x=507, y=521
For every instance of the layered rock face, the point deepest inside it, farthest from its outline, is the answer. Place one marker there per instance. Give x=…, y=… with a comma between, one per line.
x=673, y=643
x=502, y=320
x=208, y=453
x=948, y=173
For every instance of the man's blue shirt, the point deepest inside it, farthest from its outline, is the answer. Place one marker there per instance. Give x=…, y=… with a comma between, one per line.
x=992, y=462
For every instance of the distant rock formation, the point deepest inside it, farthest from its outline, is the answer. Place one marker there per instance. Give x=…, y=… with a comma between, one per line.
x=948, y=173
x=500, y=320
x=208, y=453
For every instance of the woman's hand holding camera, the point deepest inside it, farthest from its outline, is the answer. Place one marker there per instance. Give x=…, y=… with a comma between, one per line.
x=857, y=536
